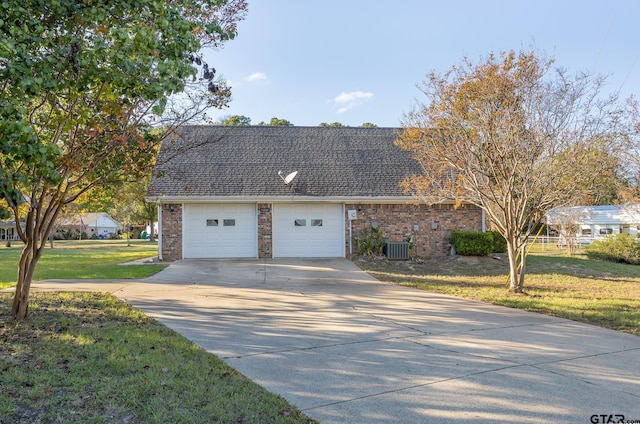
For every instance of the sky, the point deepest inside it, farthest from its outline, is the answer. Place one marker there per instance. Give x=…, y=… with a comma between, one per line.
x=357, y=61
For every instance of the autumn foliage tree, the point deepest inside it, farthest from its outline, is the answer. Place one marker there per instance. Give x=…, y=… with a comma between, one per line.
x=513, y=136
x=83, y=83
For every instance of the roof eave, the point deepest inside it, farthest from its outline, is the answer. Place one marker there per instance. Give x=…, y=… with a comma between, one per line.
x=285, y=199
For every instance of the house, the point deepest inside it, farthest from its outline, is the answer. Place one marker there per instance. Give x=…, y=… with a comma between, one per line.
x=263, y=192
x=595, y=222
x=8, y=230
x=92, y=224
x=148, y=229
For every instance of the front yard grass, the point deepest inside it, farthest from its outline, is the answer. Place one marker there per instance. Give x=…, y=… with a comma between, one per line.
x=91, y=358
x=595, y=292
x=83, y=259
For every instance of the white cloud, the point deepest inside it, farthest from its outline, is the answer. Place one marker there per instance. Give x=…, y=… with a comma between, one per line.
x=257, y=76
x=345, y=101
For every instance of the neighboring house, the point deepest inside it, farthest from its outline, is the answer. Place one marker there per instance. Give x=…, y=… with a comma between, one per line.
x=98, y=224
x=8, y=230
x=230, y=192
x=596, y=222
x=147, y=229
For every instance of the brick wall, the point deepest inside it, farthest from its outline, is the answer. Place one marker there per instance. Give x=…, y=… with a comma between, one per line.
x=265, y=230
x=171, y=232
x=435, y=224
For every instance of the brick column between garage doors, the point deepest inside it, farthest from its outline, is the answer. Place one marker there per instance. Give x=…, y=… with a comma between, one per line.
x=265, y=230
x=171, y=232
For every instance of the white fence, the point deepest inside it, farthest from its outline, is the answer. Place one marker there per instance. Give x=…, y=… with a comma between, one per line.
x=554, y=243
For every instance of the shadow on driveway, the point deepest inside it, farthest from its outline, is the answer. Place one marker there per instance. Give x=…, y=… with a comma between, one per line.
x=346, y=348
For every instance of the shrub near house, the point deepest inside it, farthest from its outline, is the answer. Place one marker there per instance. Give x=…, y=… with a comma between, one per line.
x=474, y=243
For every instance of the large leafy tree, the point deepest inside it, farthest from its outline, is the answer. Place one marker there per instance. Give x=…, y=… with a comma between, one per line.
x=129, y=205
x=513, y=136
x=124, y=200
x=236, y=121
x=277, y=122
x=82, y=84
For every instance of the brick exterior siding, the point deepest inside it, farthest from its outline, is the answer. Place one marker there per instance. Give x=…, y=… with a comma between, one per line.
x=395, y=221
x=265, y=230
x=171, y=232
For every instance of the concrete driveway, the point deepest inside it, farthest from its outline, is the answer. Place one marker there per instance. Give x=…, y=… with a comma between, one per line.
x=346, y=348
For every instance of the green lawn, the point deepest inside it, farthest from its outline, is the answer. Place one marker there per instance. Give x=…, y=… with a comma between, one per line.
x=91, y=358
x=596, y=292
x=80, y=259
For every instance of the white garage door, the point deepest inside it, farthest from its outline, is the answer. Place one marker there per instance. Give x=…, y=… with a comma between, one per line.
x=308, y=231
x=219, y=231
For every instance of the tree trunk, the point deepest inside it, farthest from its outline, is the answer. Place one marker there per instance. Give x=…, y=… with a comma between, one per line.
x=523, y=262
x=512, y=250
x=516, y=276
x=38, y=227
x=27, y=265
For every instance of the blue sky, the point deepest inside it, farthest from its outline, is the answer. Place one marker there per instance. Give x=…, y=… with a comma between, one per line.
x=356, y=61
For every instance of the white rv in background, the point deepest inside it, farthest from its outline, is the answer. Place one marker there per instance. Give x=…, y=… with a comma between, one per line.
x=596, y=222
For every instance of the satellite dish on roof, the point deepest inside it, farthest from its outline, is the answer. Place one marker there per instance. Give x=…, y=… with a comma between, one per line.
x=287, y=180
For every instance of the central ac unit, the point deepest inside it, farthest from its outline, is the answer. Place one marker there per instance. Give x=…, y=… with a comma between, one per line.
x=397, y=249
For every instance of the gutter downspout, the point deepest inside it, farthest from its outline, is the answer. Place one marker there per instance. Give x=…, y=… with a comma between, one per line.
x=484, y=221
x=159, y=229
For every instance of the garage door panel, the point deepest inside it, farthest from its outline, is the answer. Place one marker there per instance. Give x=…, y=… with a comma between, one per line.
x=308, y=230
x=219, y=231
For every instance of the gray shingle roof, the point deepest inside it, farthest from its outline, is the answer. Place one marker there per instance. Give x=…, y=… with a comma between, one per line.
x=244, y=161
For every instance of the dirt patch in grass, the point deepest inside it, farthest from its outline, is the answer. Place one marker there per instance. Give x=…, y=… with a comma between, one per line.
x=449, y=265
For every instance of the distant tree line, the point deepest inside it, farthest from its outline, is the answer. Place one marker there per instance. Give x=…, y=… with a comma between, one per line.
x=245, y=121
